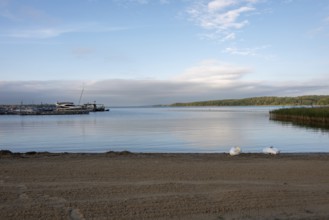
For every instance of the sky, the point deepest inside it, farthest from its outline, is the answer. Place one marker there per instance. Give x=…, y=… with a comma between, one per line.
x=148, y=52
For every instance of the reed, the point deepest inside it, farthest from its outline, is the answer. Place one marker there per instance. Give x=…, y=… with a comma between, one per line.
x=318, y=114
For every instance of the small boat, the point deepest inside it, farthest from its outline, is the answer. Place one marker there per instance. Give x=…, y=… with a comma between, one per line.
x=235, y=151
x=271, y=150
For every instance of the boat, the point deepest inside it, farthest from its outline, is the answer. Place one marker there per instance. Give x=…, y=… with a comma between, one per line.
x=67, y=106
x=93, y=107
x=89, y=107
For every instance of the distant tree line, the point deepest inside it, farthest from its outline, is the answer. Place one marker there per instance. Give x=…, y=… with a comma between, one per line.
x=259, y=101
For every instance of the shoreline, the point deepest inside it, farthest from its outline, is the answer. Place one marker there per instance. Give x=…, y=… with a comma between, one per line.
x=126, y=152
x=125, y=185
x=111, y=154
x=6, y=152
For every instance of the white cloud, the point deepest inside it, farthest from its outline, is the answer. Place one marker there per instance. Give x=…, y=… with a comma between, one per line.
x=230, y=36
x=220, y=4
x=51, y=32
x=214, y=73
x=221, y=17
x=208, y=80
x=245, y=51
x=28, y=21
x=236, y=51
x=225, y=21
x=41, y=33
x=116, y=92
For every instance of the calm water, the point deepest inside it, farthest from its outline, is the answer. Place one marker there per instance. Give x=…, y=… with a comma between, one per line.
x=214, y=129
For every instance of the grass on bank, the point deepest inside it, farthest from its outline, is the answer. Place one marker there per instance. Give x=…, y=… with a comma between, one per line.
x=319, y=112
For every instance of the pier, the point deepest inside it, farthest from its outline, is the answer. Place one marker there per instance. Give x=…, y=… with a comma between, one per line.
x=42, y=109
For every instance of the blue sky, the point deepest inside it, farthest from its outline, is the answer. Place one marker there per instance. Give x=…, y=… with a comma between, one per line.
x=137, y=52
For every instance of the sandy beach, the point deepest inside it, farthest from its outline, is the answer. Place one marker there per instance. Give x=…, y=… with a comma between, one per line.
x=164, y=186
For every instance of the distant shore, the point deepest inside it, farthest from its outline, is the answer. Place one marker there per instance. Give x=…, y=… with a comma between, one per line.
x=125, y=185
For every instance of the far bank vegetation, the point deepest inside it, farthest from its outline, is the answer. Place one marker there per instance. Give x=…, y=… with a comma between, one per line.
x=313, y=100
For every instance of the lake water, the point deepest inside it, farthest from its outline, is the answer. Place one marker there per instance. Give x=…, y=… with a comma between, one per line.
x=204, y=129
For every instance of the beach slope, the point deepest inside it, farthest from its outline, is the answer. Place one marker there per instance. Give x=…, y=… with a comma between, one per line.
x=164, y=186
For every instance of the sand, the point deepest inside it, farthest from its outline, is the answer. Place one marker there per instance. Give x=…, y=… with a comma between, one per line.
x=164, y=186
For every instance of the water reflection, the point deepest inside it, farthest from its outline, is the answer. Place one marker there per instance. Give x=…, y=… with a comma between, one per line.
x=158, y=130
x=315, y=127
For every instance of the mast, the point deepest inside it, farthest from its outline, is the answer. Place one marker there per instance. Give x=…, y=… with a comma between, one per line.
x=83, y=88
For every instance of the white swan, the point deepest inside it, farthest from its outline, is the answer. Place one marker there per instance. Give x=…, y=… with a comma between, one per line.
x=271, y=150
x=235, y=151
